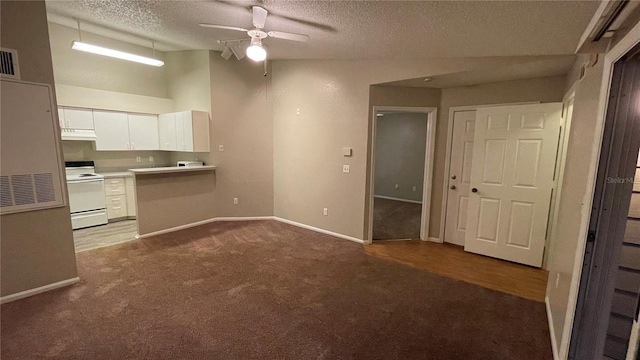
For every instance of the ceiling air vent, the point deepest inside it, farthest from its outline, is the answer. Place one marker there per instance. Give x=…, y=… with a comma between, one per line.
x=9, y=63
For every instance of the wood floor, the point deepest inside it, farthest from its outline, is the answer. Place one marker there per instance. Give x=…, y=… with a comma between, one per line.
x=105, y=235
x=452, y=261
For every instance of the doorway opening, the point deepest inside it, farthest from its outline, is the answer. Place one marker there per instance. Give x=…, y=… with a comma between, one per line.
x=402, y=155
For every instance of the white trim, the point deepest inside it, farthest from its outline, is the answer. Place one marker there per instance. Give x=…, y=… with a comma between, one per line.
x=447, y=159
x=203, y=222
x=554, y=345
x=323, y=231
x=38, y=290
x=397, y=199
x=435, y=239
x=619, y=50
x=432, y=119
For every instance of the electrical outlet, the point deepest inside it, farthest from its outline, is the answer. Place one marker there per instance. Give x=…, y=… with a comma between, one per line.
x=414, y=188
x=235, y=201
x=345, y=168
x=220, y=147
x=138, y=159
x=325, y=211
x=151, y=158
x=557, y=280
x=298, y=111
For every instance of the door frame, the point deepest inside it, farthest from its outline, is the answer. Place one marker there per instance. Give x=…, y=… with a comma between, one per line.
x=429, y=159
x=447, y=159
x=626, y=44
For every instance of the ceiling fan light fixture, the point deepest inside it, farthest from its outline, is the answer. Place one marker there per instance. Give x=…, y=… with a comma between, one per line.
x=256, y=51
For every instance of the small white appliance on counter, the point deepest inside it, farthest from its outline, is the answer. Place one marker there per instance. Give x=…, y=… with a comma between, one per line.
x=86, y=194
x=190, y=163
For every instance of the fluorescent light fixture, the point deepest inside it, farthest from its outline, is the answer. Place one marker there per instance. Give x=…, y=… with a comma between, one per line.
x=94, y=49
x=255, y=51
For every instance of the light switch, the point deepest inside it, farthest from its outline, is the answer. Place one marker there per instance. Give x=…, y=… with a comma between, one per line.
x=345, y=168
x=220, y=147
x=346, y=151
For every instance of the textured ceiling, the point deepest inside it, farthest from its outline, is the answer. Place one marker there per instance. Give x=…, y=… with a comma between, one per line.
x=550, y=66
x=351, y=29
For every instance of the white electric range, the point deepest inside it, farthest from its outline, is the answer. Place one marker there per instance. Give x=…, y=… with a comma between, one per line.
x=86, y=194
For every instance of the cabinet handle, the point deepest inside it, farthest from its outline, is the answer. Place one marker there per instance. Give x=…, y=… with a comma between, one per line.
x=133, y=146
x=128, y=146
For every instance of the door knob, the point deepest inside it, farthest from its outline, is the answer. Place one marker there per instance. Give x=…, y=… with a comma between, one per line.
x=474, y=190
x=453, y=187
x=453, y=177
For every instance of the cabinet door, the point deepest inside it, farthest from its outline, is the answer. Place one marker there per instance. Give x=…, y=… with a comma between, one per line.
x=63, y=123
x=131, y=197
x=167, y=132
x=187, y=122
x=181, y=118
x=81, y=119
x=112, y=130
x=143, y=132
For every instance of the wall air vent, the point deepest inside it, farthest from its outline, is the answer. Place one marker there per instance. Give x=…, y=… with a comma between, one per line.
x=26, y=189
x=9, y=63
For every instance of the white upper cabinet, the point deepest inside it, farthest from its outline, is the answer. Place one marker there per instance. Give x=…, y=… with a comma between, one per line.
x=112, y=130
x=167, y=132
x=143, y=132
x=79, y=119
x=186, y=131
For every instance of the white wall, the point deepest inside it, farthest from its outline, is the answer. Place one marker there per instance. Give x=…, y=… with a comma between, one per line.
x=400, y=153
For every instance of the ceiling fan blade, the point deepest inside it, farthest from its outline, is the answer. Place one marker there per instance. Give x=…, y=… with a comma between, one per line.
x=288, y=36
x=224, y=27
x=259, y=16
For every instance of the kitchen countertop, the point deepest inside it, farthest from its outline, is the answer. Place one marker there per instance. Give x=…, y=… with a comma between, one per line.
x=171, y=169
x=116, y=174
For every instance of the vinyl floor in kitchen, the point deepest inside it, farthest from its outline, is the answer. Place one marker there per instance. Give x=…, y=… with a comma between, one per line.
x=105, y=235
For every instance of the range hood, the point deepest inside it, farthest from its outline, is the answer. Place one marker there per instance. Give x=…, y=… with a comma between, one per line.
x=78, y=135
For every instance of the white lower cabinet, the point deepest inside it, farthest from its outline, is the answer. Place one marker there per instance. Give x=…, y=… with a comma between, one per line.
x=131, y=197
x=120, y=202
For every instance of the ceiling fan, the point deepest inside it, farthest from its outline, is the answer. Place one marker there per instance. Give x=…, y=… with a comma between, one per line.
x=255, y=51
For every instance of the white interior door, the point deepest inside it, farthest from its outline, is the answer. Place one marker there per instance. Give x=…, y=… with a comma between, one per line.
x=459, y=176
x=514, y=157
x=143, y=132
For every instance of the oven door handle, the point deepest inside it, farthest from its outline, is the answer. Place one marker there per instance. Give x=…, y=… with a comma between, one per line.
x=83, y=181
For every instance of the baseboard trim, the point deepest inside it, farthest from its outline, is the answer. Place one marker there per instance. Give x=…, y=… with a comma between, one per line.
x=554, y=345
x=38, y=290
x=397, y=199
x=248, y=218
x=435, y=239
x=203, y=222
x=323, y=231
